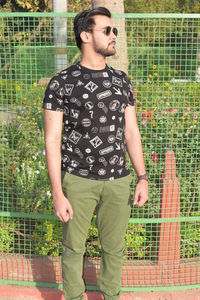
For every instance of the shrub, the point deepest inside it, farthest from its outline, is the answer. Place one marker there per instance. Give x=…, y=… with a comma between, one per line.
x=7, y=235
x=166, y=119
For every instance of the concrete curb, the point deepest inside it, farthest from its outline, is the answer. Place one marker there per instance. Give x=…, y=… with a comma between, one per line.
x=13, y=292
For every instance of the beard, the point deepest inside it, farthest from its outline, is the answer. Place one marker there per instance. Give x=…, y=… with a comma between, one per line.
x=109, y=51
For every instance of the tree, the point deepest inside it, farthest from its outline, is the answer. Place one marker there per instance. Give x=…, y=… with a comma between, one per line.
x=26, y=6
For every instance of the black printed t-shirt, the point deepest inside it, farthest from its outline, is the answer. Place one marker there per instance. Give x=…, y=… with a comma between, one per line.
x=93, y=104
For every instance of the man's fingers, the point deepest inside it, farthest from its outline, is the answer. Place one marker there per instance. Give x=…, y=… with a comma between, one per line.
x=139, y=199
x=136, y=198
x=63, y=210
x=64, y=217
x=70, y=212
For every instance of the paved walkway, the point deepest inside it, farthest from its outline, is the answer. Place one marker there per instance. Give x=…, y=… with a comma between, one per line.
x=11, y=292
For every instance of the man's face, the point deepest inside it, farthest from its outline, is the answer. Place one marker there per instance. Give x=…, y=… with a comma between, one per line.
x=102, y=43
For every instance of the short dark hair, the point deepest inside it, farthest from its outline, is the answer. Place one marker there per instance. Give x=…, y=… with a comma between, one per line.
x=84, y=21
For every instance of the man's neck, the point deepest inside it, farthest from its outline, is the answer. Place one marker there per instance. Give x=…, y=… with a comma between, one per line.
x=98, y=63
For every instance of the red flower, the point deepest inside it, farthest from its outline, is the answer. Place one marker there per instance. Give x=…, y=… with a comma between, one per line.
x=162, y=176
x=170, y=109
x=154, y=157
x=147, y=115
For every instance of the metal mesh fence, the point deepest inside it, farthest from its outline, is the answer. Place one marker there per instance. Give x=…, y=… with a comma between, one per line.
x=163, y=237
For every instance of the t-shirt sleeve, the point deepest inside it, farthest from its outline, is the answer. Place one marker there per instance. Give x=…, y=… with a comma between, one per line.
x=54, y=95
x=131, y=96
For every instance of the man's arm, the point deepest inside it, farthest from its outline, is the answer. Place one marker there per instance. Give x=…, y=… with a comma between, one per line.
x=53, y=132
x=134, y=147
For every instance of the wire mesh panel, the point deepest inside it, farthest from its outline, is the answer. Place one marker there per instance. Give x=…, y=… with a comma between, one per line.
x=162, y=242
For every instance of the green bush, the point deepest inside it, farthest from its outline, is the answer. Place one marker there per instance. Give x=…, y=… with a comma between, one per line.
x=169, y=121
x=7, y=235
x=9, y=91
x=47, y=236
x=190, y=238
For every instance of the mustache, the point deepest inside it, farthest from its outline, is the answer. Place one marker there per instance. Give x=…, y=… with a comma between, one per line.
x=112, y=43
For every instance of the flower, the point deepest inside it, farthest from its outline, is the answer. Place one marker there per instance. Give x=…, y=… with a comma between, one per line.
x=154, y=67
x=18, y=88
x=170, y=109
x=48, y=193
x=144, y=123
x=150, y=76
x=34, y=84
x=147, y=115
x=162, y=176
x=44, y=152
x=155, y=74
x=175, y=110
x=154, y=156
x=166, y=83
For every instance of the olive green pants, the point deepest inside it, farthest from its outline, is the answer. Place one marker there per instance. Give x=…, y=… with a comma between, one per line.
x=111, y=200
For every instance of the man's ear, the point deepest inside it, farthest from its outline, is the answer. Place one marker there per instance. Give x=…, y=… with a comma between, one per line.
x=85, y=36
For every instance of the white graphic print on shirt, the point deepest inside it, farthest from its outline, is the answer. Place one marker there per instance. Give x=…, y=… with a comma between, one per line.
x=93, y=105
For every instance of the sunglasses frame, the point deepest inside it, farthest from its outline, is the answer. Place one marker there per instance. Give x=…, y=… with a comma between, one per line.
x=107, y=30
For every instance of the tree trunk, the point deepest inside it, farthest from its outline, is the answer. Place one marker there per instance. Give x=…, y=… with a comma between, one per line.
x=120, y=60
x=60, y=35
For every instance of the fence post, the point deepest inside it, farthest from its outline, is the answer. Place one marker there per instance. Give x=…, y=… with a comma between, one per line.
x=169, y=239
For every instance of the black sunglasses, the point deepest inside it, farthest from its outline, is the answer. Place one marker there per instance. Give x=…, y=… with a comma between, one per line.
x=107, y=30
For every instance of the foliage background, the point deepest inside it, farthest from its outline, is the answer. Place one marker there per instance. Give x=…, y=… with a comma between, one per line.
x=131, y=6
x=168, y=116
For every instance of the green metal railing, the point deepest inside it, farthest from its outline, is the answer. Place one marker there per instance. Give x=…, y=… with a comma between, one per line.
x=163, y=237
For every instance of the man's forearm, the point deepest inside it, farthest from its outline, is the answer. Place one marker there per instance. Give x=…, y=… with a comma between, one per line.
x=53, y=157
x=134, y=147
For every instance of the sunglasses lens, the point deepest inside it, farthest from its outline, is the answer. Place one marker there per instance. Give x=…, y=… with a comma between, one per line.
x=108, y=30
x=115, y=31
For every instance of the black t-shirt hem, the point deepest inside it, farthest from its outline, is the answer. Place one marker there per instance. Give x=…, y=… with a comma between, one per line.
x=125, y=173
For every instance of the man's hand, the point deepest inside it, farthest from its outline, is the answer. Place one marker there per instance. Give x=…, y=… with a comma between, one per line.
x=62, y=208
x=141, y=193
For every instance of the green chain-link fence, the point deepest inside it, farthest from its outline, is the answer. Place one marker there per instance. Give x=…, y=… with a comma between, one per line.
x=163, y=237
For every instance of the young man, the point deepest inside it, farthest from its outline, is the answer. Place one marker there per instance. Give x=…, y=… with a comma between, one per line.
x=96, y=105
